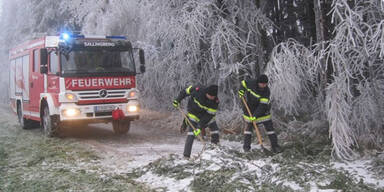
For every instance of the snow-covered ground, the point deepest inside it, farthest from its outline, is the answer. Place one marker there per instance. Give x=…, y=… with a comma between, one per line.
x=161, y=166
x=263, y=171
x=152, y=154
x=361, y=169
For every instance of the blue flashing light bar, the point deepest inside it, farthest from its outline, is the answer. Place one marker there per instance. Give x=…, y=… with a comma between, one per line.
x=65, y=36
x=78, y=36
x=116, y=37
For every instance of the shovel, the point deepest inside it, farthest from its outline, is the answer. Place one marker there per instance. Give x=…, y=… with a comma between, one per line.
x=256, y=129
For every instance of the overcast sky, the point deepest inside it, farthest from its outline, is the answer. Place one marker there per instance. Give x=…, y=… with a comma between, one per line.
x=1, y=7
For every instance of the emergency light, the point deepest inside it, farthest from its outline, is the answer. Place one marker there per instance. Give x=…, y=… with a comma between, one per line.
x=65, y=36
x=115, y=37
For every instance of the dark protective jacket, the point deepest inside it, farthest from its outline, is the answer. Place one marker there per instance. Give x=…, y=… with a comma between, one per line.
x=257, y=99
x=200, y=108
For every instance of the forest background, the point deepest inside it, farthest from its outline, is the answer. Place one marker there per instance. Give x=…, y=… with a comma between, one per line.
x=324, y=57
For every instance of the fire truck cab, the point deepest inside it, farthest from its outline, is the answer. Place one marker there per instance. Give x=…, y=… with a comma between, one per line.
x=70, y=79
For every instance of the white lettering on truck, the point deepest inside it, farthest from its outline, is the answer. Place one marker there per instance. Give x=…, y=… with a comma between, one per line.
x=108, y=82
x=81, y=82
x=101, y=82
x=99, y=44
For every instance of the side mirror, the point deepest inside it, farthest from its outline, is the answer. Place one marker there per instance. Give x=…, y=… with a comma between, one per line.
x=43, y=69
x=43, y=57
x=142, y=68
x=142, y=57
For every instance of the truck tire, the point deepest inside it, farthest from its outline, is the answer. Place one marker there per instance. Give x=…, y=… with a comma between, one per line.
x=24, y=123
x=50, y=123
x=121, y=127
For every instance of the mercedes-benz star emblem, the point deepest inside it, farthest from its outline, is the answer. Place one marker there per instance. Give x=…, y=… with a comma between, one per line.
x=103, y=93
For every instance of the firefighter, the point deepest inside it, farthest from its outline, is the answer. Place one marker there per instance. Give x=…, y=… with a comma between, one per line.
x=257, y=93
x=202, y=107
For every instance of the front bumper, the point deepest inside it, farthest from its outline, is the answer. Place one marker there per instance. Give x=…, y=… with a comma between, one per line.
x=99, y=112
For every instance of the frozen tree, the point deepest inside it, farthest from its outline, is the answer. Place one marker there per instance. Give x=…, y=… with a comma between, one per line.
x=357, y=57
x=105, y=17
x=201, y=42
x=23, y=20
x=293, y=73
x=354, y=94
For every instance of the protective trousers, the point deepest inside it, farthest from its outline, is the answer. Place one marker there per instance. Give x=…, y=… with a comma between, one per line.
x=270, y=132
x=190, y=137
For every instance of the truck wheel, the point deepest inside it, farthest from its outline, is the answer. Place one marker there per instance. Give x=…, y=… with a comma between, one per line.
x=50, y=123
x=25, y=123
x=121, y=127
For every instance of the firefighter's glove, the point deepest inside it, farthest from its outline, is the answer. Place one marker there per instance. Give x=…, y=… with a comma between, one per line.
x=176, y=103
x=249, y=119
x=241, y=93
x=196, y=132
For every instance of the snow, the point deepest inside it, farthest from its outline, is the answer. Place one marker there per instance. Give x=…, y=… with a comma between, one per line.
x=359, y=169
x=292, y=185
x=139, y=155
x=209, y=155
x=161, y=182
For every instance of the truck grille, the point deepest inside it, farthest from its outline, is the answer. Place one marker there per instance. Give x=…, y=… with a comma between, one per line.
x=97, y=94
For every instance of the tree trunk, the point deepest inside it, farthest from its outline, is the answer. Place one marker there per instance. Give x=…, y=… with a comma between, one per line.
x=319, y=20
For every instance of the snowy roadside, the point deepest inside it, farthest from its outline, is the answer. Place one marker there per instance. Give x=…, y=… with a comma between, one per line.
x=31, y=162
x=149, y=158
x=159, y=164
x=225, y=169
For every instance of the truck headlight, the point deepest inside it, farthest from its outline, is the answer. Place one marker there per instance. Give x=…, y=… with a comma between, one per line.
x=132, y=94
x=132, y=108
x=70, y=96
x=71, y=112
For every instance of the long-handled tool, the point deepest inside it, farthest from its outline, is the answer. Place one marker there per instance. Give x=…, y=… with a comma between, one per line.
x=194, y=129
x=256, y=128
x=190, y=124
x=254, y=123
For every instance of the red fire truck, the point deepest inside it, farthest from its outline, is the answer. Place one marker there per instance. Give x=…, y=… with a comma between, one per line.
x=70, y=79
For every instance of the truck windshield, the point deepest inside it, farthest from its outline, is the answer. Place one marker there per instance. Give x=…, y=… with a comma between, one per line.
x=85, y=62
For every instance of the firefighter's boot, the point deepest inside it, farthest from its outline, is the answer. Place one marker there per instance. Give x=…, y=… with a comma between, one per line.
x=247, y=138
x=272, y=137
x=188, y=145
x=214, y=138
x=214, y=130
x=247, y=142
x=275, y=146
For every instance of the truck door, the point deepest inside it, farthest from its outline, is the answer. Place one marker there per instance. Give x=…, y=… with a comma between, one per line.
x=36, y=83
x=53, y=77
x=25, y=87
